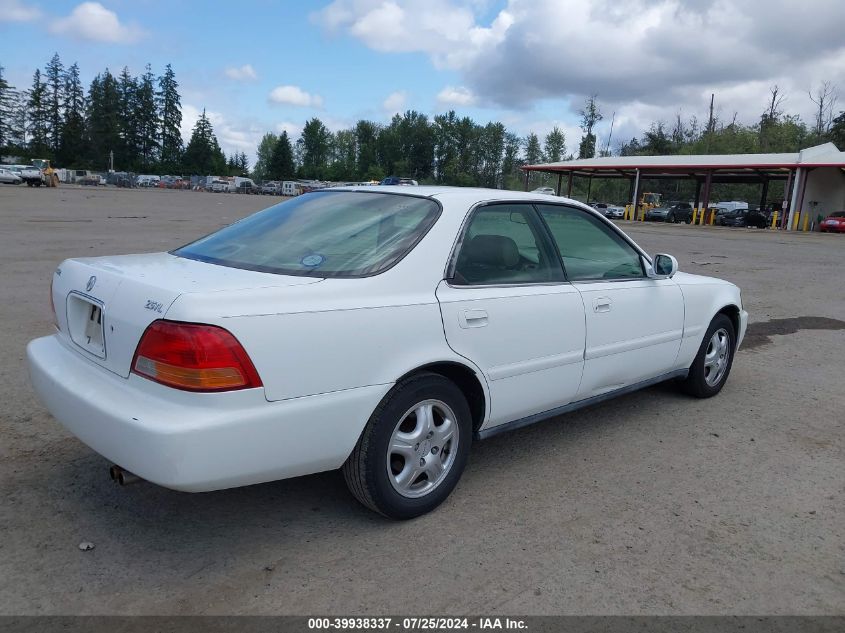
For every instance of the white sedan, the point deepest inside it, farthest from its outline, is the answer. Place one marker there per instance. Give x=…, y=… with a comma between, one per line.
x=380, y=332
x=9, y=177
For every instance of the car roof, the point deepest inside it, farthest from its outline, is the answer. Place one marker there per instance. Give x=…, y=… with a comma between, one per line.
x=464, y=195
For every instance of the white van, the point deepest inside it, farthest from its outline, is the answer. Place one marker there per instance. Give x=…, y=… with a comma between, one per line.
x=291, y=188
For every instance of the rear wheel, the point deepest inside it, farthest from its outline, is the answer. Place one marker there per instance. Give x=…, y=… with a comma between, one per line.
x=413, y=450
x=712, y=364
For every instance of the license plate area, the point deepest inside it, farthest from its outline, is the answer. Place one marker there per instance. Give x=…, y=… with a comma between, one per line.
x=85, y=324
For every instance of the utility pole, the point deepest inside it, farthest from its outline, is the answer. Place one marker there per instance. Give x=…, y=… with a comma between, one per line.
x=111, y=160
x=710, y=123
x=606, y=151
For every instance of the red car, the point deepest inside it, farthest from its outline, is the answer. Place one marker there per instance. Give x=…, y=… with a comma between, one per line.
x=834, y=223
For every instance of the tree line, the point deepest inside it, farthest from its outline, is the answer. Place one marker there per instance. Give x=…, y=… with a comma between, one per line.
x=136, y=121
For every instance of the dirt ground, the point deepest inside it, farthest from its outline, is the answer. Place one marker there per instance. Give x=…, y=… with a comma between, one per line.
x=654, y=503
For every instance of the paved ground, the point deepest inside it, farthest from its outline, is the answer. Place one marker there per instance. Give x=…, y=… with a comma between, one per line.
x=654, y=503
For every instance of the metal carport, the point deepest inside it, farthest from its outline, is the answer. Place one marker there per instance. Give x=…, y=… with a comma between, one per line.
x=816, y=173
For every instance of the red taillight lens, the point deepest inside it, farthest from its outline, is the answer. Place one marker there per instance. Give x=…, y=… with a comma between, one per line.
x=194, y=357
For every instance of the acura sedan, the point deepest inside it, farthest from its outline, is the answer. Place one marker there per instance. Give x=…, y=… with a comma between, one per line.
x=381, y=332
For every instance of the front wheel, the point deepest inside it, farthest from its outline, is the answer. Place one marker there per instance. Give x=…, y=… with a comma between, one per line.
x=712, y=365
x=413, y=450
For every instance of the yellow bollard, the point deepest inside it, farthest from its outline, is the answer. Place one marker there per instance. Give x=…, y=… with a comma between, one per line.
x=712, y=217
x=806, y=225
x=694, y=212
x=775, y=220
x=701, y=218
x=797, y=219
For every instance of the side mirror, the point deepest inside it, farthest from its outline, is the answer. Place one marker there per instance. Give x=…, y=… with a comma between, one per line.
x=664, y=267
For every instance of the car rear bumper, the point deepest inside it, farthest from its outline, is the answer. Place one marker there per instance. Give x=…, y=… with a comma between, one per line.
x=192, y=441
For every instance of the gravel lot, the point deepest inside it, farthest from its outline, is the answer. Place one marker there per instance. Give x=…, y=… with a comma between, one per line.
x=651, y=504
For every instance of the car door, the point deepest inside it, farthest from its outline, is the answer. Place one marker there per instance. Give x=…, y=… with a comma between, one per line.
x=507, y=307
x=634, y=323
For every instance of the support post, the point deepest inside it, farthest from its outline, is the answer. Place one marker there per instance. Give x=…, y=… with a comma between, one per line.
x=697, y=192
x=589, y=187
x=526, y=180
x=559, y=179
x=569, y=186
x=764, y=196
x=708, y=183
x=793, y=198
x=636, y=192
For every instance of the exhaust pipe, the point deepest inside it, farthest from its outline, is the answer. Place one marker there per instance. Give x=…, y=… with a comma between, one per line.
x=122, y=477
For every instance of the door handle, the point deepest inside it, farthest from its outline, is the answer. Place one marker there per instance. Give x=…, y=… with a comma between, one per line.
x=472, y=318
x=602, y=304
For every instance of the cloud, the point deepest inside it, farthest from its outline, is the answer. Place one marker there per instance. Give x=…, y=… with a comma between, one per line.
x=655, y=56
x=294, y=95
x=395, y=102
x=455, y=96
x=92, y=21
x=14, y=11
x=241, y=73
x=293, y=129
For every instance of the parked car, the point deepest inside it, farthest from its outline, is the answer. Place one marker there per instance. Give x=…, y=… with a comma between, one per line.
x=271, y=189
x=220, y=186
x=676, y=213
x=32, y=176
x=744, y=217
x=7, y=177
x=245, y=185
x=609, y=210
x=396, y=180
x=545, y=190
x=834, y=223
x=380, y=332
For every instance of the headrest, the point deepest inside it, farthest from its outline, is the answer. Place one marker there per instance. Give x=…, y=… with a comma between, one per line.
x=492, y=250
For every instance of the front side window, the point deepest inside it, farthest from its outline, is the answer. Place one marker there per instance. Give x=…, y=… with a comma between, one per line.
x=325, y=234
x=589, y=248
x=503, y=244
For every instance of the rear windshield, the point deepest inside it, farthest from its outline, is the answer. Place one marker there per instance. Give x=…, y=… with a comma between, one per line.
x=322, y=234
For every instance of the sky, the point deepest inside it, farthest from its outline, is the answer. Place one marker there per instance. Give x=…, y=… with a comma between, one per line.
x=261, y=65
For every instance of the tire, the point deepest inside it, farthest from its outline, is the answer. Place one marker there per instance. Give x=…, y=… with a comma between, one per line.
x=672, y=219
x=373, y=472
x=701, y=381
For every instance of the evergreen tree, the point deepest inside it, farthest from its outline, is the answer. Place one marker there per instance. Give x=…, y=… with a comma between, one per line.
x=72, y=146
x=281, y=166
x=203, y=155
x=104, y=123
x=54, y=97
x=265, y=153
x=38, y=123
x=315, y=146
x=129, y=153
x=147, y=122
x=366, y=136
x=837, y=132
x=555, y=145
x=533, y=153
x=170, y=121
x=6, y=111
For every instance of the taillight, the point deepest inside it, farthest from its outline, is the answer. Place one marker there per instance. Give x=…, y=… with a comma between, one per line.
x=194, y=357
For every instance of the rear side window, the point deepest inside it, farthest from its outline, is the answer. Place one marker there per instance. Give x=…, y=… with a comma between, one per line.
x=503, y=244
x=325, y=234
x=590, y=249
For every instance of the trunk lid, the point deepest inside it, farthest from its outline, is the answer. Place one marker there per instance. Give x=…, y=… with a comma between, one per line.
x=104, y=304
